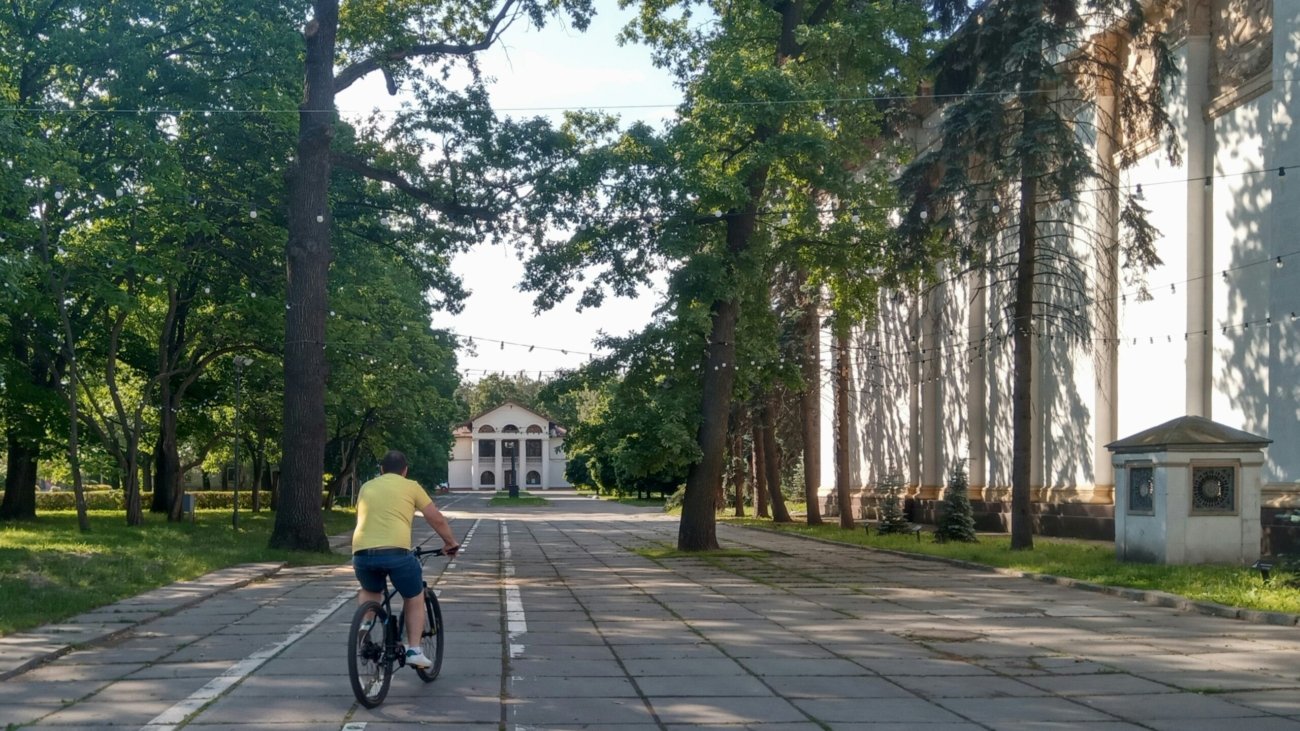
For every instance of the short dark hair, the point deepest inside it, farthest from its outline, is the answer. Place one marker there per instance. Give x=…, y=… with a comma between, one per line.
x=393, y=462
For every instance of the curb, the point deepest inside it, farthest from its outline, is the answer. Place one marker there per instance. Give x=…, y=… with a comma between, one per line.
x=41, y=637
x=1144, y=596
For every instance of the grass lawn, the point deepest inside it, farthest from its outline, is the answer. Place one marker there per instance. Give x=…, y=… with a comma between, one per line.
x=1092, y=561
x=50, y=571
x=503, y=498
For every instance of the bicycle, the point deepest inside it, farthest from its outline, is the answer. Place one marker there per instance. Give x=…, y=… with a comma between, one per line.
x=375, y=650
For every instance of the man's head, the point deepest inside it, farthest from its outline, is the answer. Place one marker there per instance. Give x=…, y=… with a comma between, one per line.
x=394, y=462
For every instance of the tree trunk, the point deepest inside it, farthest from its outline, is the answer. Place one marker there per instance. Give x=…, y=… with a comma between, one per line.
x=810, y=401
x=1022, y=530
x=772, y=463
x=842, y=487
x=739, y=467
x=698, y=528
x=298, y=521
x=74, y=449
x=169, y=461
x=20, y=480
x=760, y=472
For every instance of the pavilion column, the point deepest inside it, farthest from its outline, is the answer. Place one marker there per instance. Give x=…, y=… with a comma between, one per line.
x=1200, y=292
x=500, y=475
x=546, y=461
x=473, y=456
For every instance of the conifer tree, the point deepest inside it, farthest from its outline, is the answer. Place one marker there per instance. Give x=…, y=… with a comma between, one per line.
x=1040, y=90
x=892, y=519
x=957, y=523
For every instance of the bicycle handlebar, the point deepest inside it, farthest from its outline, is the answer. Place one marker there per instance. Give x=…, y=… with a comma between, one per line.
x=422, y=552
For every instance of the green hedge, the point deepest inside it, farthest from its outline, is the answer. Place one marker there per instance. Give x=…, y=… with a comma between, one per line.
x=113, y=500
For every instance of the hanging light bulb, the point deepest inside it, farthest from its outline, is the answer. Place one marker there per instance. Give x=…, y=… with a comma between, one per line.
x=996, y=208
x=252, y=211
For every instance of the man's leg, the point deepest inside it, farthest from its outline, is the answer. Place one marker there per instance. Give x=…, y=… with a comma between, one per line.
x=414, y=609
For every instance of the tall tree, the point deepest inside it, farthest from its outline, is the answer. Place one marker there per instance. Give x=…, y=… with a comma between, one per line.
x=760, y=80
x=1022, y=77
x=399, y=41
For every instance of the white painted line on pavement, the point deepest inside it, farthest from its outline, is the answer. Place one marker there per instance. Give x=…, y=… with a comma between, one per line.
x=176, y=715
x=516, y=623
x=354, y=726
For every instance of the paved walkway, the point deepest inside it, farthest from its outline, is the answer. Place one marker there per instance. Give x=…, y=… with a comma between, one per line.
x=556, y=621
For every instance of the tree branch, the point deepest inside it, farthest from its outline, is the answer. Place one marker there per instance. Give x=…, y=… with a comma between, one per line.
x=350, y=75
x=394, y=178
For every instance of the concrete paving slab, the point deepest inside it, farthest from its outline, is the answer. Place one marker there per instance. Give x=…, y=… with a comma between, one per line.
x=1097, y=684
x=719, y=711
x=595, y=712
x=684, y=686
x=578, y=687
x=996, y=711
x=1168, y=707
x=967, y=686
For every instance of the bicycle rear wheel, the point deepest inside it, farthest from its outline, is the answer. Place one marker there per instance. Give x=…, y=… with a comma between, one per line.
x=368, y=669
x=431, y=637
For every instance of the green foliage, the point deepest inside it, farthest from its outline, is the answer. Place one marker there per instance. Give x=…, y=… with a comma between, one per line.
x=892, y=519
x=957, y=520
x=50, y=571
x=524, y=499
x=1091, y=561
x=114, y=499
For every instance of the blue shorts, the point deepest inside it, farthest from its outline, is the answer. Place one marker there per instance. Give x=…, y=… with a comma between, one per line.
x=403, y=568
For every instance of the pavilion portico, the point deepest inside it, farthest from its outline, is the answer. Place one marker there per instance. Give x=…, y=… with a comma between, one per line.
x=508, y=445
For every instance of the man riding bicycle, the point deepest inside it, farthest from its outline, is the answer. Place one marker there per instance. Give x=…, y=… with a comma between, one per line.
x=381, y=544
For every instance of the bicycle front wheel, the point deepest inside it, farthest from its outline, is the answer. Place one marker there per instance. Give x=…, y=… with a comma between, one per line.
x=431, y=637
x=368, y=669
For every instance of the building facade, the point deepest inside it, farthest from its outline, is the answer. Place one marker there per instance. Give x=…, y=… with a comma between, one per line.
x=1213, y=331
x=508, y=444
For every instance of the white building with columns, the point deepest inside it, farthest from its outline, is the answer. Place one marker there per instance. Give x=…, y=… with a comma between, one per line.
x=508, y=443
x=1218, y=336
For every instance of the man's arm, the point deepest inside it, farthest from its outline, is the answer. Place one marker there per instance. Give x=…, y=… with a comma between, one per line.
x=438, y=522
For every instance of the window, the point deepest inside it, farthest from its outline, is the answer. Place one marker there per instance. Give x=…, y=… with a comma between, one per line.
x=510, y=429
x=488, y=478
x=509, y=447
x=486, y=429
x=534, y=429
x=510, y=479
x=534, y=447
x=487, y=448
x=534, y=477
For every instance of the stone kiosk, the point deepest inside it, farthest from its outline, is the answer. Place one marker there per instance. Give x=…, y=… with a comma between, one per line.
x=1187, y=492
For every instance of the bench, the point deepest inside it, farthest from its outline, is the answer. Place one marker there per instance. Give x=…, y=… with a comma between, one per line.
x=912, y=528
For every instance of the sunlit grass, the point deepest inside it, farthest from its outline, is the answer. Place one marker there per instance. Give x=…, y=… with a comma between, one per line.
x=50, y=571
x=1091, y=561
x=525, y=498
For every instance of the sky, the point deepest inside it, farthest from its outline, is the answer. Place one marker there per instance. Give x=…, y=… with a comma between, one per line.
x=542, y=72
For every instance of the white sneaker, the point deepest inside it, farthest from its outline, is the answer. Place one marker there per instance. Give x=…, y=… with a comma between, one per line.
x=416, y=659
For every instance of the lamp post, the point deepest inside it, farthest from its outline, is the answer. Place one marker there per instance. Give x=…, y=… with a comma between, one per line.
x=240, y=362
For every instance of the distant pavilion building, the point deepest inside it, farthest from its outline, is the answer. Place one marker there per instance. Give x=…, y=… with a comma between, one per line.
x=492, y=448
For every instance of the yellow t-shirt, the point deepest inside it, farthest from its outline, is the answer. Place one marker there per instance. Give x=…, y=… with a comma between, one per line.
x=385, y=507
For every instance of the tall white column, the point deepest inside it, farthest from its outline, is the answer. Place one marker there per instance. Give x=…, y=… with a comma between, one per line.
x=1105, y=309
x=1200, y=291
x=473, y=456
x=931, y=393
x=546, y=461
x=500, y=475
x=977, y=398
